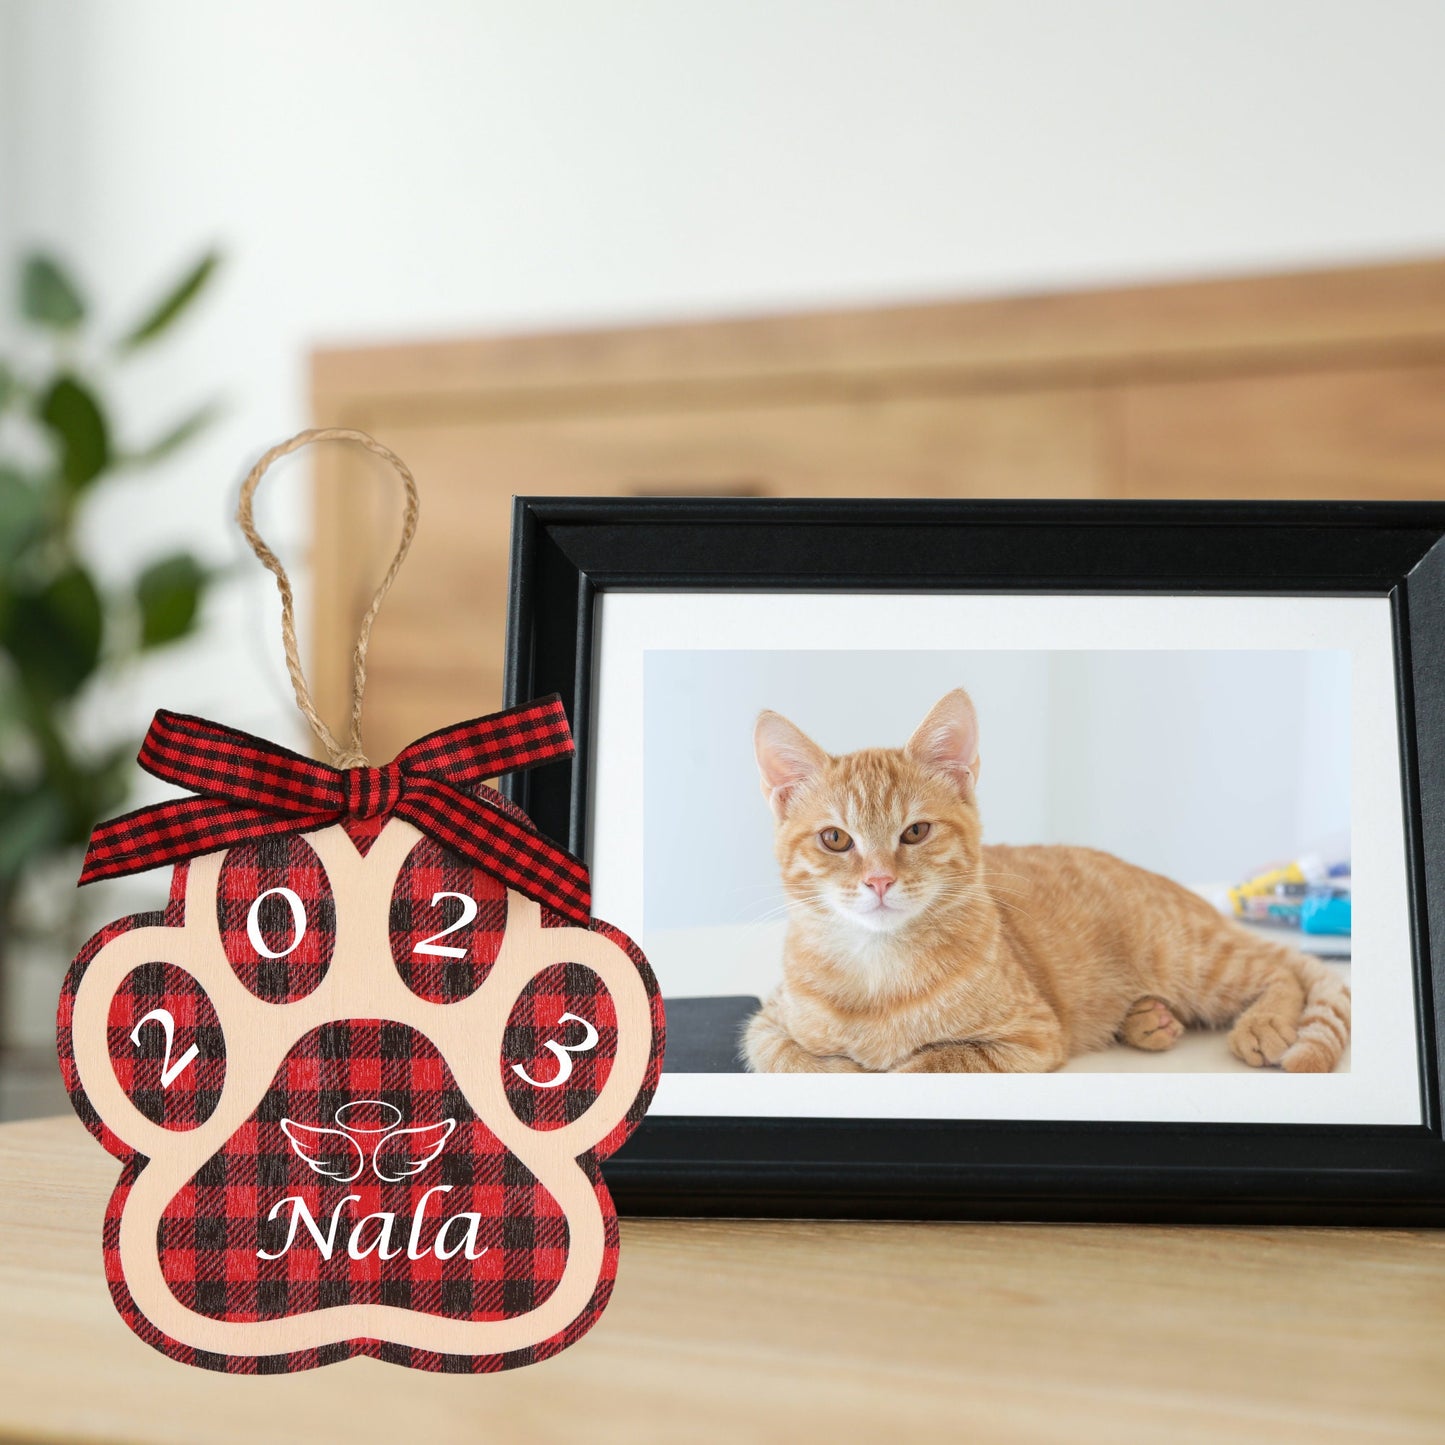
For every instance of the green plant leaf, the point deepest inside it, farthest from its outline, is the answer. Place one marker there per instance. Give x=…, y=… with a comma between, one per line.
x=74, y=417
x=22, y=514
x=47, y=295
x=183, y=431
x=111, y=779
x=9, y=387
x=91, y=789
x=53, y=634
x=33, y=822
x=175, y=301
x=169, y=593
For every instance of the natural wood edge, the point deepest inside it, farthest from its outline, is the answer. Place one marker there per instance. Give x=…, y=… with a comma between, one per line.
x=1107, y=334
x=336, y=535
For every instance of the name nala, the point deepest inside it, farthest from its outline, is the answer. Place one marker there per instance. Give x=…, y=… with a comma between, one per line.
x=458, y=1232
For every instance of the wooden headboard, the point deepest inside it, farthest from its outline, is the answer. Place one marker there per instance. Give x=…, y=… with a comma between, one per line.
x=1322, y=384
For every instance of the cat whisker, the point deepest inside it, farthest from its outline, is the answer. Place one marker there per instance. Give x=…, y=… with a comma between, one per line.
x=973, y=893
x=787, y=905
x=769, y=915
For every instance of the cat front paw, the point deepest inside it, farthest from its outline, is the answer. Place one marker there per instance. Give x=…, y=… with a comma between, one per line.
x=1263, y=1040
x=1039, y=1052
x=768, y=1048
x=950, y=1058
x=1151, y=1025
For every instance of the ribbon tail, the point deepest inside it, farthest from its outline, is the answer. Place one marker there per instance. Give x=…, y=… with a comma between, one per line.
x=184, y=828
x=510, y=850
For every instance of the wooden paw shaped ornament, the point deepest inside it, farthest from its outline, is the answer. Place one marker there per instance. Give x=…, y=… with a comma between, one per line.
x=361, y=1069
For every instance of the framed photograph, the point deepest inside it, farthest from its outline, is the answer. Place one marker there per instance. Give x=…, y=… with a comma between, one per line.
x=1011, y=860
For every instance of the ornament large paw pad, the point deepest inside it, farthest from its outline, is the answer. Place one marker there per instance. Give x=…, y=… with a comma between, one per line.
x=361, y=1090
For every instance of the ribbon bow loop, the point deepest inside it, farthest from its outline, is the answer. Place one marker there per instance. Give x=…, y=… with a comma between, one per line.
x=248, y=787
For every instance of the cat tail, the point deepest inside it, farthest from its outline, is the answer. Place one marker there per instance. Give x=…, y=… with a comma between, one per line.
x=1286, y=1007
x=1323, y=1029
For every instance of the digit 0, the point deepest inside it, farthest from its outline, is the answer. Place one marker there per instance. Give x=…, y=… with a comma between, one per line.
x=298, y=923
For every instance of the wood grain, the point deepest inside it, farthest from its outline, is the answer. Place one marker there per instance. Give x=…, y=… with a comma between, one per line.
x=762, y=1330
x=1329, y=434
x=1318, y=384
x=1180, y=327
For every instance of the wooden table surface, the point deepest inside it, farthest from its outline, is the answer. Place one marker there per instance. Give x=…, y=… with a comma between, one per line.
x=792, y=1331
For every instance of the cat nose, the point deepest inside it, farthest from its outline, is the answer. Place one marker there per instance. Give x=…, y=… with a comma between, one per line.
x=880, y=883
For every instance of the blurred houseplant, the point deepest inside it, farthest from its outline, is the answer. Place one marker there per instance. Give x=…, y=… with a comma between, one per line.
x=61, y=631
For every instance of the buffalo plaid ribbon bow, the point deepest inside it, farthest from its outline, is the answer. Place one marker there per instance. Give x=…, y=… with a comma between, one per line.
x=249, y=787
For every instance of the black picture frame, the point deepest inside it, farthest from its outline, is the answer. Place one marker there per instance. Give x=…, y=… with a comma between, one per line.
x=566, y=551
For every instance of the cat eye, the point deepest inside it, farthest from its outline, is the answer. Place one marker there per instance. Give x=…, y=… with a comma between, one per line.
x=835, y=840
x=916, y=832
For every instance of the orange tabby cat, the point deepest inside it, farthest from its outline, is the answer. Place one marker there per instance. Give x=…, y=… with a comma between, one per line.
x=913, y=947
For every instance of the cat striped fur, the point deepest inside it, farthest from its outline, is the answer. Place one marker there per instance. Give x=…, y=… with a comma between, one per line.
x=914, y=947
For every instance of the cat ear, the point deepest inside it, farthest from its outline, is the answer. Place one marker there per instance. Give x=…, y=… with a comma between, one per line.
x=947, y=739
x=786, y=755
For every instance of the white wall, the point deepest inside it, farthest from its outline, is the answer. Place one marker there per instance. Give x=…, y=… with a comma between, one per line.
x=379, y=170
x=1200, y=765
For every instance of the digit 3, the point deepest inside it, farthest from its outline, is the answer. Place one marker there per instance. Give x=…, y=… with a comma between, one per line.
x=559, y=1045
x=330, y=953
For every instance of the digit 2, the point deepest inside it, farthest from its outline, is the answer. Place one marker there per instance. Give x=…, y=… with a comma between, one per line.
x=170, y=1072
x=445, y=950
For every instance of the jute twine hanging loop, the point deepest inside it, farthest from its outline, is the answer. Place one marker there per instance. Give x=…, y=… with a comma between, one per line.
x=350, y=756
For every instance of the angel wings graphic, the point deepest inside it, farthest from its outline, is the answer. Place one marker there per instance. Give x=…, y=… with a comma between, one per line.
x=342, y=1153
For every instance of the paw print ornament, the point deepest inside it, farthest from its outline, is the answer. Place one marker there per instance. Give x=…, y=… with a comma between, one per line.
x=361, y=1069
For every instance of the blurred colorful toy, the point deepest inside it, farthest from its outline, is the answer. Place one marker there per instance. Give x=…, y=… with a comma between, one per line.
x=1308, y=893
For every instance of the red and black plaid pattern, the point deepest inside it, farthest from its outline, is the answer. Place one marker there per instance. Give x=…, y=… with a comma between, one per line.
x=212, y=1231
x=333, y=1066
x=430, y=870
x=252, y=871
x=502, y=742
x=519, y=855
x=155, y=1069
x=619, y=1136
x=310, y=1359
x=250, y=786
x=172, y=916
x=536, y=1020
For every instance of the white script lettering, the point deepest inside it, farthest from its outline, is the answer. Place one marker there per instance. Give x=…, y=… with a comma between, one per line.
x=384, y=1222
